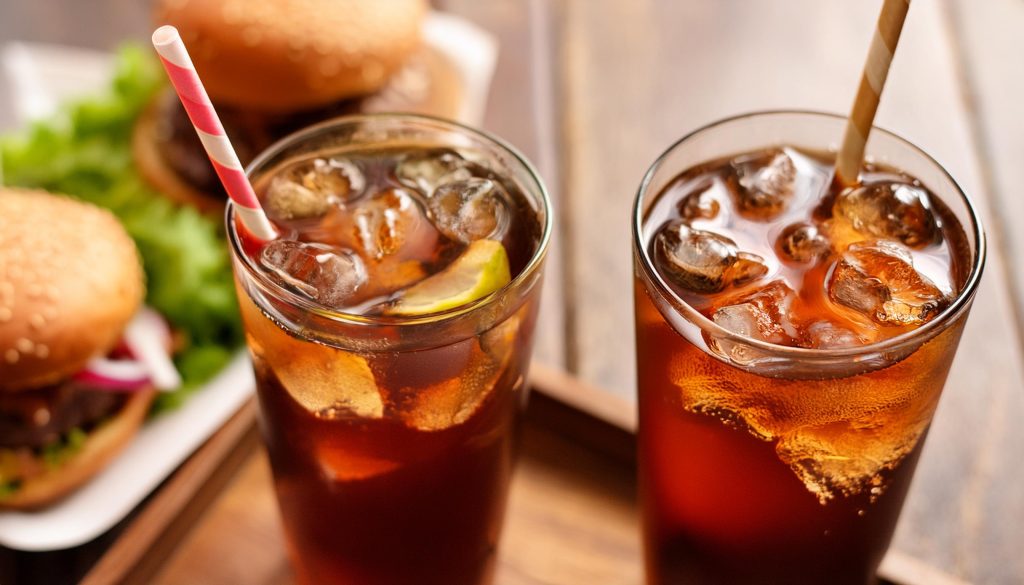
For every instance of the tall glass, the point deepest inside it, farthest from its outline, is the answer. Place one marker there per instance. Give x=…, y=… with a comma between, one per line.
x=773, y=464
x=391, y=437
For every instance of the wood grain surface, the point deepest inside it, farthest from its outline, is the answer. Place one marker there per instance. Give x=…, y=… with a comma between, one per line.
x=987, y=36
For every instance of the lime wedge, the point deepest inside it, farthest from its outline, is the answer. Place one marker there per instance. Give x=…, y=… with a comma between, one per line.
x=479, y=271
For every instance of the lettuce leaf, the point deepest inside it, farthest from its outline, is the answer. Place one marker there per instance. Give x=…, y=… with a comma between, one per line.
x=85, y=152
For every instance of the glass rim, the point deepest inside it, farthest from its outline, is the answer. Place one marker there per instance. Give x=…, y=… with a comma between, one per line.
x=296, y=300
x=936, y=325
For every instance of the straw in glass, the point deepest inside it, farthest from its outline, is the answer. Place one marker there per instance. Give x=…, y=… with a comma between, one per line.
x=865, y=105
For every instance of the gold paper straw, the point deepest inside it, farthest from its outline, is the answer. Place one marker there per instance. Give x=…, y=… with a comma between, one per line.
x=872, y=80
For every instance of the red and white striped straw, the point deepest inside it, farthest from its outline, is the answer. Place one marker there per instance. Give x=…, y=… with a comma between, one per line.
x=190, y=90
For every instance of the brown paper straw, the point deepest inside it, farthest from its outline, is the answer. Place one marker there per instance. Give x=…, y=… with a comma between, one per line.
x=872, y=80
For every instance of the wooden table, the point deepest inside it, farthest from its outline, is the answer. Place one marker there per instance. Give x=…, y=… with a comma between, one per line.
x=594, y=90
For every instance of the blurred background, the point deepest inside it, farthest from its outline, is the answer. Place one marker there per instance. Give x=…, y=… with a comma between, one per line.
x=594, y=90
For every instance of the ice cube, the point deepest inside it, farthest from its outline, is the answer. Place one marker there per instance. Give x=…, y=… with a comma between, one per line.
x=802, y=243
x=349, y=464
x=763, y=183
x=828, y=335
x=309, y=190
x=427, y=170
x=878, y=279
x=747, y=267
x=700, y=204
x=761, y=315
x=500, y=341
x=337, y=386
x=422, y=368
x=329, y=383
x=455, y=400
x=338, y=177
x=287, y=199
x=392, y=222
x=892, y=210
x=470, y=210
x=703, y=261
x=326, y=274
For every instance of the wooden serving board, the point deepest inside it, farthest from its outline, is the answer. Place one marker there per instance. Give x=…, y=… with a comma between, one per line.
x=572, y=515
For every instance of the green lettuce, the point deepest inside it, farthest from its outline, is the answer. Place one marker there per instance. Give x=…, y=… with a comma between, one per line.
x=85, y=152
x=59, y=451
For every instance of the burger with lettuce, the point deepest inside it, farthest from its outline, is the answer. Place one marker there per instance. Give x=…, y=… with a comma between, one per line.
x=80, y=359
x=84, y=326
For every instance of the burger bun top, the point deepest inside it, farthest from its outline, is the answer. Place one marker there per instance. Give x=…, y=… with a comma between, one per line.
x=288, y=55
x=70, y=280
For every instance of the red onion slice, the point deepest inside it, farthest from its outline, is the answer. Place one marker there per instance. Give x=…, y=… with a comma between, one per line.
x=117, y=375
x=148, y=338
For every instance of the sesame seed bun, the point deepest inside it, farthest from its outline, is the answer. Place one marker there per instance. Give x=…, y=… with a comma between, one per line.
x=70, y=280
x=300, y=54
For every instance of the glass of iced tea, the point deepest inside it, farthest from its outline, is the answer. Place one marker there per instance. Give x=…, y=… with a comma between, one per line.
x=792, y=343
x=390, y=329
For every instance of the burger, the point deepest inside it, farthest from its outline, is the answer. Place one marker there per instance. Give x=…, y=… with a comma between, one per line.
x=72, y=391
x=275, y=66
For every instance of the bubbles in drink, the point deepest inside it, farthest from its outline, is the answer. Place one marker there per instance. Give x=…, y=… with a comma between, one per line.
x=878, y=279
x=764, y=183
x=470, y=209
x=762, y=314
x=892, y=210
x=703, y=261
x=813, y=281
x=802, y=243
x=427, y=170
x=392, y=222
x=325, y=274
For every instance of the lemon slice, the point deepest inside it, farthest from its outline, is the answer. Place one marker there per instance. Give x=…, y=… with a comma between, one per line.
x=479, y=271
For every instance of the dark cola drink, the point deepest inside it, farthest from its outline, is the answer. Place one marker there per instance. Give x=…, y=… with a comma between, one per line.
x=776, y=444
x=390, y=327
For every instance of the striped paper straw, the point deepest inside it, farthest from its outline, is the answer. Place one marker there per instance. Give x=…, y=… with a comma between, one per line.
x=190, y=90
x=865, y=105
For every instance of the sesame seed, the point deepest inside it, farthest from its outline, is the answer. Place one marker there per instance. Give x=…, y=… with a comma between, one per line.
x=252, y=36
x=5, y=314
x=24, y=345
x=12, y=356
x=330, y=67
x=42, y=351
x=41, y=417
